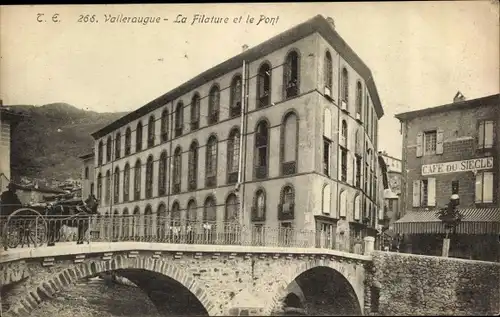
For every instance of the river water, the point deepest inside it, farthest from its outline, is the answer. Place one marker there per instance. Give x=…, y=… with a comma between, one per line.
x=98, y=298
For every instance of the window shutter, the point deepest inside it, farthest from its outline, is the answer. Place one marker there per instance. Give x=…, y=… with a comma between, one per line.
x=419, y=144
x=479, y=187
x=439, y=142
x=431, y=192
x=357, y=208
x=480, y=135
x=326, y=199
x=416, y=193
x=343, y=204
x=488, y=134
x=488, y=187
x=327, y=119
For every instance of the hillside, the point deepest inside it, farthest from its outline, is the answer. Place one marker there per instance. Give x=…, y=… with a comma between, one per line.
x=50, y=138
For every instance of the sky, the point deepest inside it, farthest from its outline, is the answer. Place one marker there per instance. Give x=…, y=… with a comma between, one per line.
x=420, y=53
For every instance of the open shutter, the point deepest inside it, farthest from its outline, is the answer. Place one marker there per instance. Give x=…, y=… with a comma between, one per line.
x=488, y=134
x=327, y=123
x=326, y=199
x=431, y=192
x=357, y=208
x=480, y=134
x=416, y=193
x=419, y=144
x=343, y=204
x=439, y=142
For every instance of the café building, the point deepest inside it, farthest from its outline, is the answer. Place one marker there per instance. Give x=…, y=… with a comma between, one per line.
x=447, y=150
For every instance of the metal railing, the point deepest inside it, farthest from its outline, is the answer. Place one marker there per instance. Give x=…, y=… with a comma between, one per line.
x=40, y=231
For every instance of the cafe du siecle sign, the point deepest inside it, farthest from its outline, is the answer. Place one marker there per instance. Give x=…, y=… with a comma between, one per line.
x=458, y=166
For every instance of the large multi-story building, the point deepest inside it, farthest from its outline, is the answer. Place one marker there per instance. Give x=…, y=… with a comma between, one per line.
x=392, y=193
x=8, y=120
x=452, y=149
x=282, y=135
x=87, y=178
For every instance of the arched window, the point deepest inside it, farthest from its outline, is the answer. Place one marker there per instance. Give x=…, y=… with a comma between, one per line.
x=235, y=97
x=357, y=208
x=264, y=86
x=115, y=224
x=135, y=222
x=107, y=198
x=128, y=141
x=210, y=210
x=175, y=216
x=345, y=87
x=233, y=156
x=137, y=180
x=162, y=174
x=343, y=152
x=261, y=150
x=192, y=214
x=151, y=131
x=328, y=71
x=164, y=125
x=116, y=185
x=195, y=112
x=327, y=199
x=211, y=162
x=100, y=150
x=149, y=177
x=126, y=182
x=126, y=224
x=231, y=214
x=289, y=146
x=161, y=215
x=118, y=145
x=99, y=187
x=109, y=144
x=177, y=170
x=213, y=105
x=193, y=166
x=179, y=119
x=138, y=137
x=259, y=206
x=359, y=100
x=287, y=203
x=148, y=222
x=291, y=75
x=86, y=172
x=343, y=203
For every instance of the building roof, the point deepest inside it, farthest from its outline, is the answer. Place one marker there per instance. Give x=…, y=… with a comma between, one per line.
x=7, y=113
x=41, y=189
x=460, y=105
x=87, y=156
x=316, y=24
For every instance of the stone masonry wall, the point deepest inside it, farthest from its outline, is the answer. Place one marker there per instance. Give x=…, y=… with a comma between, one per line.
x=426, y=285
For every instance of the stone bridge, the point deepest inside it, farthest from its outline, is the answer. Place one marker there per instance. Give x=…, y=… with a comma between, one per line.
x=185, y=279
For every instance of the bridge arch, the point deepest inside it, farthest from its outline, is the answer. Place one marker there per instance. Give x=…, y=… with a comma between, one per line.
x=121, y=263
x=351, y=288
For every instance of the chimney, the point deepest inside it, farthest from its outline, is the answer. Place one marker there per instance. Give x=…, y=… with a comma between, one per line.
x=330, y=20
x=244, y=47
x=458, y=97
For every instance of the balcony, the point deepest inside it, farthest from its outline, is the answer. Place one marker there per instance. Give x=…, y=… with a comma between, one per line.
x=164, y=136
x=264, y=100
x=232, y=177
x=292, y=89
x=195, y=125
x=151, y=141
x=255, y=214
x=260, y=172
x=286, y=211
x=235, y=111
x=192, y=183
x=176, y=188
x=178, y=130
x=211, y=181
x=213, y=117
x=289, y=168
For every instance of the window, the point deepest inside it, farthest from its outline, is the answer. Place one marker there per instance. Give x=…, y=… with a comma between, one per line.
x=164, y=125
x=286, y=206
x=261, y=150
x=327, y=199
x=176, y=214
x=116, y=186
x=264, y=86
x=231, y=214
x=328, y=71
x=86, y=173
x=100, y=150
x=126, y=182
x=357, y=207
x=343, y=204
x=99, y=187
x=92, y=188
x=454, y=187
x=213, y=105
x=151, y=131
x=430, y=138
x=485, y=135
x=137, y=180
x=345, y=86
x=484, y=187
x=138, y=137
x=193, y=166
x=109, y=144
x=326, y=156
x=107, y=198
x=358, y=171
x=210, y=211
x=162, y=174
x=289, y=144
x=161, y=214
x=233, y=155
x=177, y=170
x=149, y=177
x=179, y=119
x=148, y=221
x=424, y=193
x=211, y=162
x=192, y=213
x=359, y=100
x=195, y=112
x=118, y=145
x=235, y=98
x=343, y=136
x=259, y=206
x=128, y=141
x=291, y=75
x=343, y=164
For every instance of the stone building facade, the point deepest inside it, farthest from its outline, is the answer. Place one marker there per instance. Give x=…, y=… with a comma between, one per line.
x=88, y=174
x=453, y=149
x=282, y=135
x=8, y=121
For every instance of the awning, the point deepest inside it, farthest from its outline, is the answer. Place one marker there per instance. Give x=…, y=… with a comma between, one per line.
x=474, y=221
